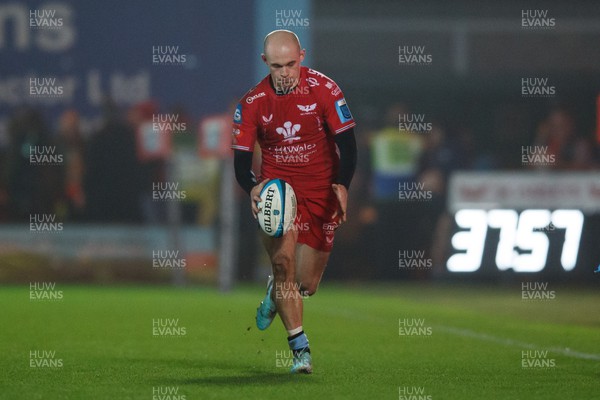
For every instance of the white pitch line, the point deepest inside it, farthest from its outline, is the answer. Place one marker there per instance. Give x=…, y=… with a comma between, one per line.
x=510, y=342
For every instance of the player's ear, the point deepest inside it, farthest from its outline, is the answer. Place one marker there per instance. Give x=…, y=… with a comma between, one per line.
x=302, y=54
x=264, y=58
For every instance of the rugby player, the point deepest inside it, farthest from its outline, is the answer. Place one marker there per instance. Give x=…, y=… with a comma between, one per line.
x=305, y=131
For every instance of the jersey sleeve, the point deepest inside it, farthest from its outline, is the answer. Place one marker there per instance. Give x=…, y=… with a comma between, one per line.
x=336, y=112
x=244, y=128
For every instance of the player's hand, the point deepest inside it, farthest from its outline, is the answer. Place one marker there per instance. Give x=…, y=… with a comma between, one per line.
x=342, y=196
x=255, y=197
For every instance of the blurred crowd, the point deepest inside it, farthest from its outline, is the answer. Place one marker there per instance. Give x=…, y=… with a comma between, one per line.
x=98, y=177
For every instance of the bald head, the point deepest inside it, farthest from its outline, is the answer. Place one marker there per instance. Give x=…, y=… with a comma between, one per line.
x=283, y=55
x=281, y=40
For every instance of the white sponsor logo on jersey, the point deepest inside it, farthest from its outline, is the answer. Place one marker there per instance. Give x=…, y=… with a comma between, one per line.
x=335, y=89
x=289, y=131
x=329, y=227
x=249, y=100
x=314, y=72
x=267, y=120
x=308, y=108
x=312, y=82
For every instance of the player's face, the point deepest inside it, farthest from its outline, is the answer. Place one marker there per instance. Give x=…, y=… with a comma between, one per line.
x=284, y=66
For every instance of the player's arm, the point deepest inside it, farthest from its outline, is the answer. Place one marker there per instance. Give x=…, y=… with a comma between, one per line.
x=242, y=163
x=346, y=143
x=244, y=138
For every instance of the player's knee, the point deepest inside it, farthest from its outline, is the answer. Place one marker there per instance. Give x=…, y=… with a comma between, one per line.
x=308, y=289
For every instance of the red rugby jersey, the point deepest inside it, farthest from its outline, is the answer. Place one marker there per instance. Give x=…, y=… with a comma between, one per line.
x=295, y=130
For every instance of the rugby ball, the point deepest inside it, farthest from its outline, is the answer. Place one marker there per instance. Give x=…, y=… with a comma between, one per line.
x=277, y=208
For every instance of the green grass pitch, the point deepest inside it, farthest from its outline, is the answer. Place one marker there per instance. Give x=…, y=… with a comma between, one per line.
x=471, y=343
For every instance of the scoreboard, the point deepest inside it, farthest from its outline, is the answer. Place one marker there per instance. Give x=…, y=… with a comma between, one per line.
x=524, y=222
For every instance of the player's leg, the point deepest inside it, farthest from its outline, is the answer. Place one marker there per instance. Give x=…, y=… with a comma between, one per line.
x=310, y=265
x=282, y=253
